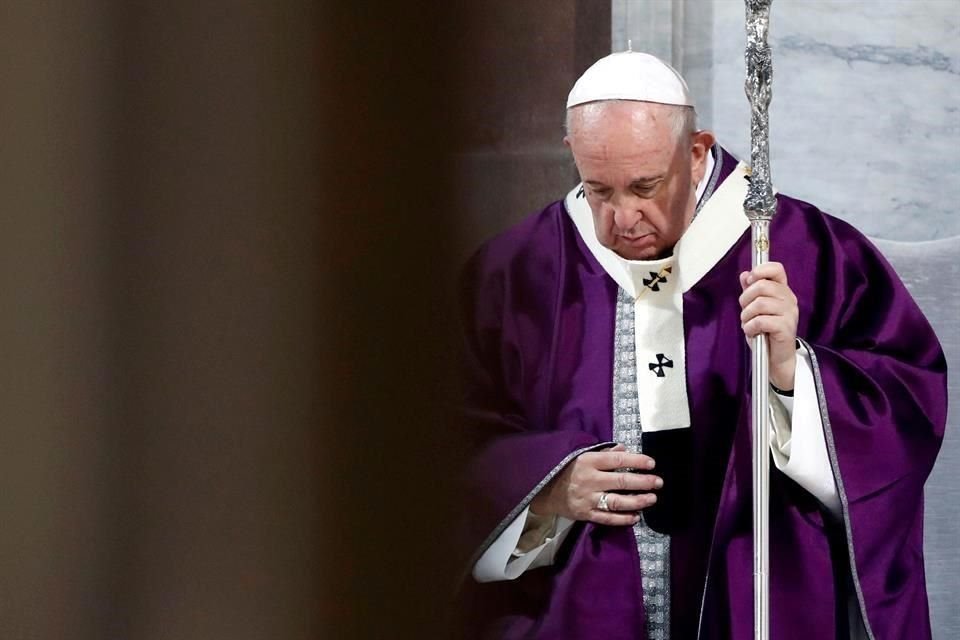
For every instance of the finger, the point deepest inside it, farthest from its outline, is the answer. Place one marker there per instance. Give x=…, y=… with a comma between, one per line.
x=609, y=460
x=619, y=502
x=775, y=326
x=768, y=271
x=765, y=289
x=622, y=517
x=627, y=481
x=612, y=519
x=764, y=307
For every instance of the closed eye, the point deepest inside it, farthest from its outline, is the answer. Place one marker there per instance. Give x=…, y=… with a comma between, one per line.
x=645, y=189
x=601, y=192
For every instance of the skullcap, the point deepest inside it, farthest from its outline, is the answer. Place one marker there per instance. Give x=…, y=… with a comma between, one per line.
x=630, y=75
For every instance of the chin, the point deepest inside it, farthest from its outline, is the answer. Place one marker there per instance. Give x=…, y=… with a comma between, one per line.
x=641, y=253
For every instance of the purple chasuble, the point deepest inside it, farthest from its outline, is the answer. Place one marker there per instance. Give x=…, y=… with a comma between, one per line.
x=539, y=339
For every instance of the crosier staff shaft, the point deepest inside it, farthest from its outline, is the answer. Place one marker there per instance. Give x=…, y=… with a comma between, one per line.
x=760, y=206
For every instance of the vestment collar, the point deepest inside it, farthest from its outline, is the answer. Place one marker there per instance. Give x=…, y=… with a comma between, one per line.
x=718, y=225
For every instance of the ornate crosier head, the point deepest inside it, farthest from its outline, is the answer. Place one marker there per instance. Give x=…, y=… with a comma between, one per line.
x=760, y=202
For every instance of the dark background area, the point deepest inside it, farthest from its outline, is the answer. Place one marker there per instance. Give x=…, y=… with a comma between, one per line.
x=518, y=62
x=228, y=237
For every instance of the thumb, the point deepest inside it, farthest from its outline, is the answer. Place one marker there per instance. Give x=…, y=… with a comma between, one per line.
x=618, y=447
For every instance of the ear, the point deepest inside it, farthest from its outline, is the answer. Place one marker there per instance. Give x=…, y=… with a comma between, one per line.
x=702, y=142
x=566, y=141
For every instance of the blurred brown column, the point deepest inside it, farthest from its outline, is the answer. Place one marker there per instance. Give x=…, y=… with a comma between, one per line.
x=283, y=280
x=159, y=287
x=386, y=246
x=56, y=103
x=213, y=284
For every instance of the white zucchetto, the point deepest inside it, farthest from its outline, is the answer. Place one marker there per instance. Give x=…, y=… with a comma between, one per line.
x=630, y=75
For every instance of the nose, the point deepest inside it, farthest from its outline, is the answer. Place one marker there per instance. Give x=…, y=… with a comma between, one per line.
x=627, y=211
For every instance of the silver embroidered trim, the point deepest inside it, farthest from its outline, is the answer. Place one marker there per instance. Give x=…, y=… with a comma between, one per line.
x=498, y=531
x=841, y=492
x=653, y=547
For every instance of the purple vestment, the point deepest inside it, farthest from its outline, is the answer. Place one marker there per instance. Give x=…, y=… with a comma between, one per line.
x=538, y=359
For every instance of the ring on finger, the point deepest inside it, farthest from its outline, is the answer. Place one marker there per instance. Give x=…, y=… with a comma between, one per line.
x=602, y=503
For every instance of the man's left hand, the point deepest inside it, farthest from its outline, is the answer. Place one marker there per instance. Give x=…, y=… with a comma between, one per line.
x=769, y=306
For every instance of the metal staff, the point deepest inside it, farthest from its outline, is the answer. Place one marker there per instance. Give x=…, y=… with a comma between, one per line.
x=760, y=207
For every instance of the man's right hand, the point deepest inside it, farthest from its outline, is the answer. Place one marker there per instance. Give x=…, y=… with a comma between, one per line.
x=575, y=492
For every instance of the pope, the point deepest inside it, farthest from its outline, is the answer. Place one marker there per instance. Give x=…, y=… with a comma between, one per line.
x=607, y=383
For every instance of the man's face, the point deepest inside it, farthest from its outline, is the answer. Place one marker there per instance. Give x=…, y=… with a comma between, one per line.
x=639, y=180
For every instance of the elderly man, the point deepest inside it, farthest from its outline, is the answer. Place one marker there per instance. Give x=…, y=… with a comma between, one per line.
x=607, y=390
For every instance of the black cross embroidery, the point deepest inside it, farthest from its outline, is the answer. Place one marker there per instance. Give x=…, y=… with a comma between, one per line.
x=654, y=281
x=657, y=367
x=580, y=192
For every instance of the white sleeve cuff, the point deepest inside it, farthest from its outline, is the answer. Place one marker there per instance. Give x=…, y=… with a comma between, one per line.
x=502, y=561
x=797, y=441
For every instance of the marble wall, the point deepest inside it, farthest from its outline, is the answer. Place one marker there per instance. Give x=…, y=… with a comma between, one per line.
x=865, y=119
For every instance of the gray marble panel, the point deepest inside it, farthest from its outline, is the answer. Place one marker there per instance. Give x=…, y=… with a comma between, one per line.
x=678, y=31
x=647, y=25
x=865, y=119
